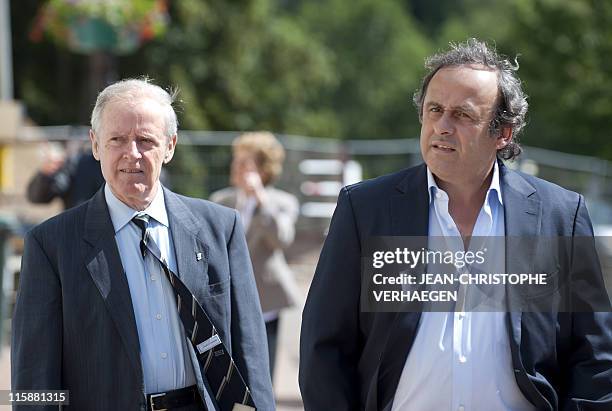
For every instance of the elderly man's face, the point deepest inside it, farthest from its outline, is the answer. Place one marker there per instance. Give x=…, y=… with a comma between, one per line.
x=457, y=110
x=132, y=146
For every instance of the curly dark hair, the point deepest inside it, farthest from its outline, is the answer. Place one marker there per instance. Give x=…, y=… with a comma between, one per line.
x=512, y=105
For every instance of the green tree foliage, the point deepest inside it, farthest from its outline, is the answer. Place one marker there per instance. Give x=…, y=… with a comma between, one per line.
x=566, y=63
x=50, y=81
x=240, y=66
x=431, y=15
x=378, y=55
x=488, y=20
x=339, y=68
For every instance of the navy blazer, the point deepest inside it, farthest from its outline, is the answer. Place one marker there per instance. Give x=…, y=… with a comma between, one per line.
x=74, y=325
x=352, y=360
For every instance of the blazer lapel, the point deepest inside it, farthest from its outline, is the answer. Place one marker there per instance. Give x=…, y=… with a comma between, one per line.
x=523, y=222
x=410, y=206
x=192, y=253
x=409, y=217
x=104, y=265
x=523, y=215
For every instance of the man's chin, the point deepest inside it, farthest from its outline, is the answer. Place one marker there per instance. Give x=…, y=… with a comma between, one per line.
x=135, y=195
x=135, y=189
x=442, y=170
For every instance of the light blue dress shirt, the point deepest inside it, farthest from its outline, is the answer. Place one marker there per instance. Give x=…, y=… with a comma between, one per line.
x=164, y=354
x=461, y=361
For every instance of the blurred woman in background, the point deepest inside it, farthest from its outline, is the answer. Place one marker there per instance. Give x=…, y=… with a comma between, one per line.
x=268, y=215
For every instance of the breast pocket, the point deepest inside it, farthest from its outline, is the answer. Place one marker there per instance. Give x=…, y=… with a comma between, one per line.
x=217, y=305
x=551, y=281
x=218, y=288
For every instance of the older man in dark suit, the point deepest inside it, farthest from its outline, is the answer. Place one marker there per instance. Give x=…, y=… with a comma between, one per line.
x=140, y=298
x=471, y=106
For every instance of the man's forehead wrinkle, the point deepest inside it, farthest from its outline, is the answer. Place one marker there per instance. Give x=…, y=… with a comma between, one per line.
x=137, y=113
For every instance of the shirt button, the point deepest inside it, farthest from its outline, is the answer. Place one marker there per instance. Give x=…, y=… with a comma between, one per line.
x=450, y=226
x=438, y=195
x=158, y=316
x=462, y=359
x=153, y=278
x=164, y=355
x=461, y=408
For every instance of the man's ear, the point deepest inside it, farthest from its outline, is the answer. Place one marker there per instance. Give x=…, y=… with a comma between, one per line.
x=94, y=145
x=170, y=148
x=504, y=138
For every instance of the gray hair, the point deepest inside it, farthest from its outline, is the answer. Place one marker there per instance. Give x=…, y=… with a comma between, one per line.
x=512, y=105
x=129, y=90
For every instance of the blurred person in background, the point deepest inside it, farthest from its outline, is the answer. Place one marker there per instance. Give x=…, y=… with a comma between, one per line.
x=269, y=216
x=72, y=178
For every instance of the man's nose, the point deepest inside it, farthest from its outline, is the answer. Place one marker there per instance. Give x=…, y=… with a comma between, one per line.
x=444, y=125
x=132, y=150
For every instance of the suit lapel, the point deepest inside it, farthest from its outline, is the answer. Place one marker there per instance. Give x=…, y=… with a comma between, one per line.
x=523, y=214
x=523, y=222
x=522, y=206
x=410, y=206
x=409, y=217
x=192, y=253
x=104, y=265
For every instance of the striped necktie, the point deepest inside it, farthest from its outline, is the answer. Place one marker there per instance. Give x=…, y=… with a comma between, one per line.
x=226, y=382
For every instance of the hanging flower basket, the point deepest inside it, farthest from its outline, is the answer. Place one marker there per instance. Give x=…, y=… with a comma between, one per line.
x=89, y=26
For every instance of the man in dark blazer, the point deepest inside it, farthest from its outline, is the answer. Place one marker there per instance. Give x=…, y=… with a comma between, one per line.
x=91, y=309
x=471, y=106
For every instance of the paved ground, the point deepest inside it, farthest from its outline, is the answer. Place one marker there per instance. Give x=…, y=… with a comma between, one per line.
x=286, y=378
x=302, y=258
x=5, y=373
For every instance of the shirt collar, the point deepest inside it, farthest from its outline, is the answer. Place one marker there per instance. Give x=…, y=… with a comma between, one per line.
x=432, y=186
x=121, y=214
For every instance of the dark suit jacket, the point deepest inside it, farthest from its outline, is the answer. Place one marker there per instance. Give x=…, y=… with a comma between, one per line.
x=74, y=325
x=352, y=360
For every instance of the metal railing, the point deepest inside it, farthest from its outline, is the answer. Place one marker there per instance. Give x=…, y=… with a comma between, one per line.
x=201, y=165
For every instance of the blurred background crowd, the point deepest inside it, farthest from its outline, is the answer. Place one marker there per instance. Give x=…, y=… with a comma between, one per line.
x=332, y=79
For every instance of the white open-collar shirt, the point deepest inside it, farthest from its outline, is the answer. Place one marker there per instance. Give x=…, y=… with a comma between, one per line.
x=461, y=361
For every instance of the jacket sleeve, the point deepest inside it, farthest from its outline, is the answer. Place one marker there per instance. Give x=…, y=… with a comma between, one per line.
x=249, y=344
x=590, y=356
x=43, y=188
x=330, y=343
x=36, y=346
